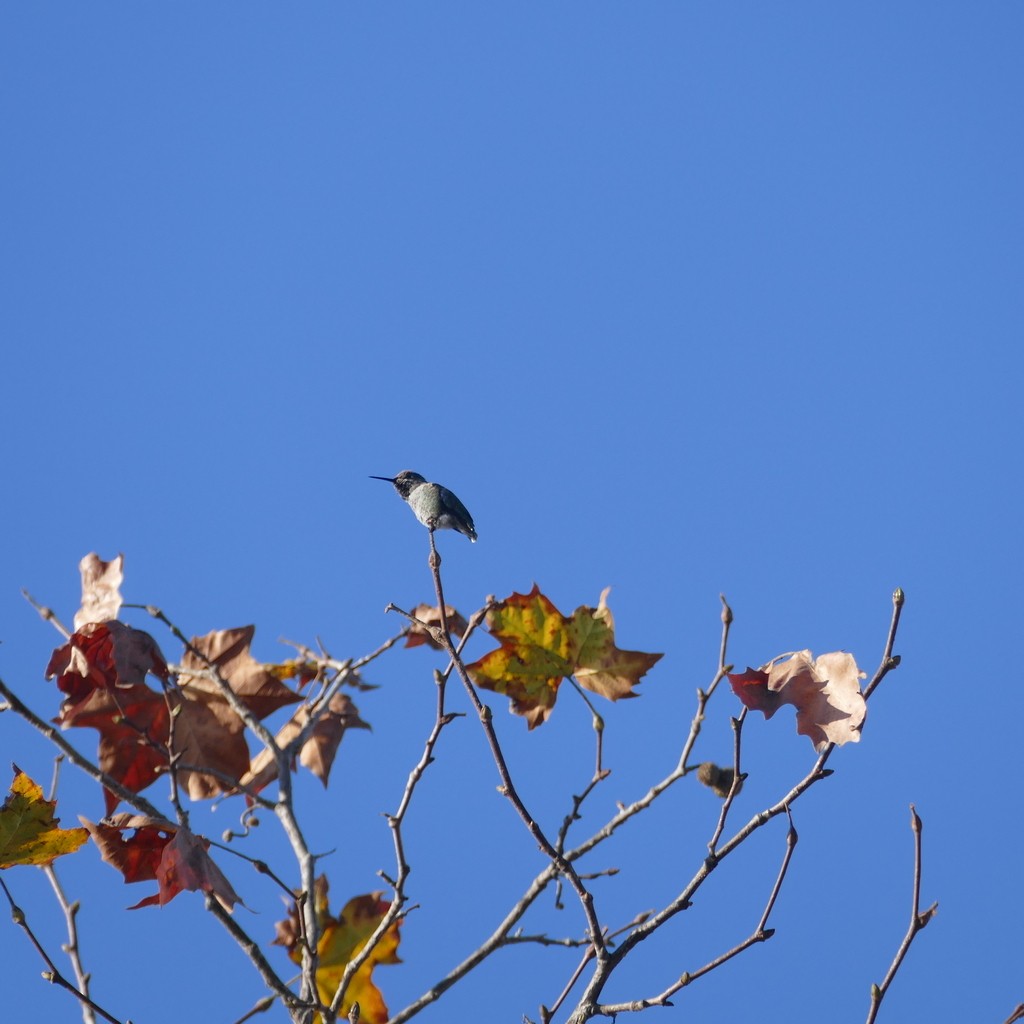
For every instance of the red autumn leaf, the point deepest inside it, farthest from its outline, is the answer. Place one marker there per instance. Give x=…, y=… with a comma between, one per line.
x=102, y=670
x=133, y=727
x=101, y=589
x=136, y=856
x=825, y=692
x=157, y=850
x=102, y=656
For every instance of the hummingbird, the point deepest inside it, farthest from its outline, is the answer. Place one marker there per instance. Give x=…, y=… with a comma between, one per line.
x=433, y=505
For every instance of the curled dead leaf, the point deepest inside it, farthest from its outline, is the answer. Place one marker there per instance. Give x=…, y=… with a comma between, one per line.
x=157, y=850
x=431, y=615
x=825, y=692
x=101, y=589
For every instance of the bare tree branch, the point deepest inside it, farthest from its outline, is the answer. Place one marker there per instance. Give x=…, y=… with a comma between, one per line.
x=918, y=920
x=52, y=974
x=508, y=788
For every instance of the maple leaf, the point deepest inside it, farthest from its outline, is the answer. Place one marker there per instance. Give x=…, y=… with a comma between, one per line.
x=28, y=828
x=318, y=752
x=102, y=670
x=431, y=615
x=208, y=731
x=540, y=647
x=133, y=724
x=104, y=655
x=341, y=939
x=101, y=589
x=830, y=707
x=257, y=685
x=157, y=850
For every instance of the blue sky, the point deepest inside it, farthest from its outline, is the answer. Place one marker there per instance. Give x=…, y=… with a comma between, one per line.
x=682, y=299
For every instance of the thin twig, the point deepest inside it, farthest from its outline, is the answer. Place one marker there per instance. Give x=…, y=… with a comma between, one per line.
x=737, y=779
x=52, y=975
x=761, y=933
x=918, y=920
x=47, y=614
x=252, y=950
x=261, y=1006
x=598, y=723
x=71, y=946
x=791, y=841
x=889, y=661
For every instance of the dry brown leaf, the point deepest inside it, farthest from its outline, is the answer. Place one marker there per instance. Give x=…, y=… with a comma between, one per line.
x=260, y=690
x=101, y=589
x=825, y=692
x=317, y=752
x=431, y=615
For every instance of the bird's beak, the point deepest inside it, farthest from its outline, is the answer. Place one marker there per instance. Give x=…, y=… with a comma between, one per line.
x=390, y=479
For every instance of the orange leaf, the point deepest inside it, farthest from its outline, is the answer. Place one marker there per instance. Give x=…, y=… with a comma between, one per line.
x=28, y=829
x=540, y=647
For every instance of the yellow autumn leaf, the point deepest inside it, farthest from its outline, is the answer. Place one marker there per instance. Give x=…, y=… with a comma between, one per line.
x=540, y=647
x=341, y=940
x=343, y=937
x=28, y=829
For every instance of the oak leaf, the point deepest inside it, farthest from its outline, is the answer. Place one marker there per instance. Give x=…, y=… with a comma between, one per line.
x=157, y=850
x=825, y=692
x=540, y=647
x=341, y=939
x=29, y=832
